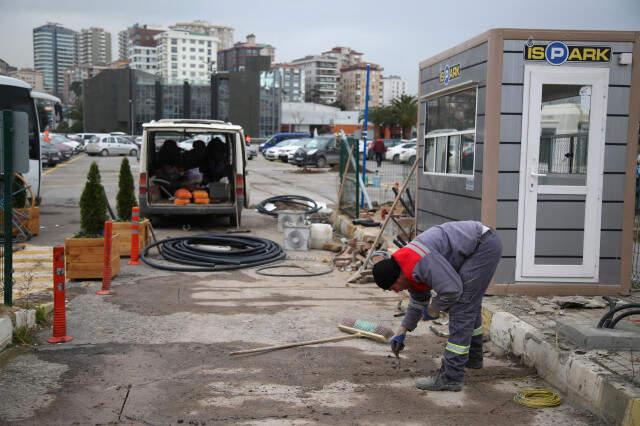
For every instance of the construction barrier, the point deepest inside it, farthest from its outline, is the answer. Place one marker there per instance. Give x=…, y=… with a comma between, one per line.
x=59, y=308
x=106, y=270
x=135, y=237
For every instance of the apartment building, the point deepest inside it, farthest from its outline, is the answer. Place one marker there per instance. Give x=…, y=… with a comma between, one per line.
x=223, y=33
x=185, y=56
x=93, y=47
x=321, y=76
x=235, y=58
x=353, y=80
x=293, y=82
x=54, y=51
x=346, y=56
x=137, y=45
x=30, y=76
x=393, y=86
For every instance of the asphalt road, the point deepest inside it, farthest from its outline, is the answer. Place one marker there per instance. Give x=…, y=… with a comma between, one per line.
x=157, y=350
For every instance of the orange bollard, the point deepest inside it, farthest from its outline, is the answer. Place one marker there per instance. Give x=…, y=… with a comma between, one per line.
x=135, y=237
x=106, y=269
x=59, y=309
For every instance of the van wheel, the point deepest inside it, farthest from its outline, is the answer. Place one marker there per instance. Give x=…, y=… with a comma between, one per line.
x=104, y=153
x=133, y=152
x=322, y=162
x=396, y=159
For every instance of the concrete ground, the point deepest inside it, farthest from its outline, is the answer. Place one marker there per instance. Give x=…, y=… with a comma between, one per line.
x=157, y=350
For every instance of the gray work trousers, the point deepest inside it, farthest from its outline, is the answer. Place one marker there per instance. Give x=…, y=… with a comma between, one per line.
x=465, y=315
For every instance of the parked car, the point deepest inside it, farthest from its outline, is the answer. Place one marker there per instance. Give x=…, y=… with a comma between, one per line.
x=63, y=139
x=286, y=154
x=49, y=155
x=279, y=137
x=106, y=144
x=65, y=150
x=252, y=151
x=273, y=153
x=85, y=137
x=408, y=156
x=321, y=151
x=394, y=153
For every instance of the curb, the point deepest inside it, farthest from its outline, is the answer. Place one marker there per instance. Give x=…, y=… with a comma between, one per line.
x=6, y=331
x=20, y=318
x=583, y=382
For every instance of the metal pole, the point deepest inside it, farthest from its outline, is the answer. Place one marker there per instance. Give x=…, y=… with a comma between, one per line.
x=364, y=132
x=7, y=119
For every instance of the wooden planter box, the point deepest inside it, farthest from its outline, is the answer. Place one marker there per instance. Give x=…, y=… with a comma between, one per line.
x=32, y=224
x=124, y=230
x=84, y=257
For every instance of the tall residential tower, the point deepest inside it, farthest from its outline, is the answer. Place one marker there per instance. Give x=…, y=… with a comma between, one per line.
x=54, y=51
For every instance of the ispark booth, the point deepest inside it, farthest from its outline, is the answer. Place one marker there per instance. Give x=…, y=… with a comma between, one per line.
x=535, y=133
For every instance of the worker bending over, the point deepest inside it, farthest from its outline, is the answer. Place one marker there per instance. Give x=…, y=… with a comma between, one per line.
x=457, y=261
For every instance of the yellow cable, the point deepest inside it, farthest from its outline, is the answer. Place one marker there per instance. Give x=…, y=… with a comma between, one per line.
x=537, y=398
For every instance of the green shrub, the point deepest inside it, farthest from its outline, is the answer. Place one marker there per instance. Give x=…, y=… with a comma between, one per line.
x=93, y=205
x=126, y=199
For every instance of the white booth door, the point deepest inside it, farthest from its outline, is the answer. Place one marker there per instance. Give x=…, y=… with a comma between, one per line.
x=563, y=136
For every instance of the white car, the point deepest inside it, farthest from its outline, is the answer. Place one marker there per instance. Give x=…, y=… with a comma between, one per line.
x=107, y=144
x=394, y=153
x=408, y=156
x=286, y=153
x=273, y=153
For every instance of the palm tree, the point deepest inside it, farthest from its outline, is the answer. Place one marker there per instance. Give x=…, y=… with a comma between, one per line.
x=381, y=117
x=406, y=110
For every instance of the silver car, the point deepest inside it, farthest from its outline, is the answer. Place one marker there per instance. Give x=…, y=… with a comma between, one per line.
x=105, y=145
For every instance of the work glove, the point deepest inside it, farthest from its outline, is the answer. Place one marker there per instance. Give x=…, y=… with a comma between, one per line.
x=397, y=343
x=426, y=316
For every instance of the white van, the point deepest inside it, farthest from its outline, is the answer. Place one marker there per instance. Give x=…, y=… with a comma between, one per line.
x=215, y=163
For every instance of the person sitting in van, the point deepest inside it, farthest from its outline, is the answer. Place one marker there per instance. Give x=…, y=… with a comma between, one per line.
x=195, y=164
x=217, y=162
x=169, y=165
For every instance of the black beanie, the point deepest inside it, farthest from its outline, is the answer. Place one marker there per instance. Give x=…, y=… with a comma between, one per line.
x=386, y=272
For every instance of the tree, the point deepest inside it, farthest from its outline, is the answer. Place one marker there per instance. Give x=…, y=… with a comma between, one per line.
x=406, y=110
x=381, y=118
x=93, y=205
x=125, y=200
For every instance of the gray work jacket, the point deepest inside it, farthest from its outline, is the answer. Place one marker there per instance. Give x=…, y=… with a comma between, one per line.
x=448, y=246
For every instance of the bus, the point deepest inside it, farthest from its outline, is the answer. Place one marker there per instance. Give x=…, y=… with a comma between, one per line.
x=49, y=110
x=15, y=95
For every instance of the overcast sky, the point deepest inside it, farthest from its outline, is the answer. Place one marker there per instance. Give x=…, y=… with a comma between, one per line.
x=395, y=34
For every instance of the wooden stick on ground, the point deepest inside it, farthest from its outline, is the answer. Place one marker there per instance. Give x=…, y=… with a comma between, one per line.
x=295, y=345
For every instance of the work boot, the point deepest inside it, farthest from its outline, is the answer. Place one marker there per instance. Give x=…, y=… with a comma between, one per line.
x=438, y=383
x=475, y=364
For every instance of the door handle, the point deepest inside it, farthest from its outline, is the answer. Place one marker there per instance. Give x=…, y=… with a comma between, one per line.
x=534, y=174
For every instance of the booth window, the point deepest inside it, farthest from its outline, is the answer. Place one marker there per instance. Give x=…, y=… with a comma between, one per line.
x=450, y=133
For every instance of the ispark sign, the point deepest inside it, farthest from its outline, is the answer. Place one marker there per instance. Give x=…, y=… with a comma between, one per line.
x=449, y=73
x=557, y=53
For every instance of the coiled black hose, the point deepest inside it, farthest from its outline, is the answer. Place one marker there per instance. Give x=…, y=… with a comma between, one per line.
x=310, y=206
x=213, y=252
x=608, y=320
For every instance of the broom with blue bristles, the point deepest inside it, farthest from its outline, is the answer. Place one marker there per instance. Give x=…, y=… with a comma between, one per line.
x=355, y=328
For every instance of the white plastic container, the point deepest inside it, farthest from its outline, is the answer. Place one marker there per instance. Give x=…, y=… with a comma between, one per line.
x=321, y=233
